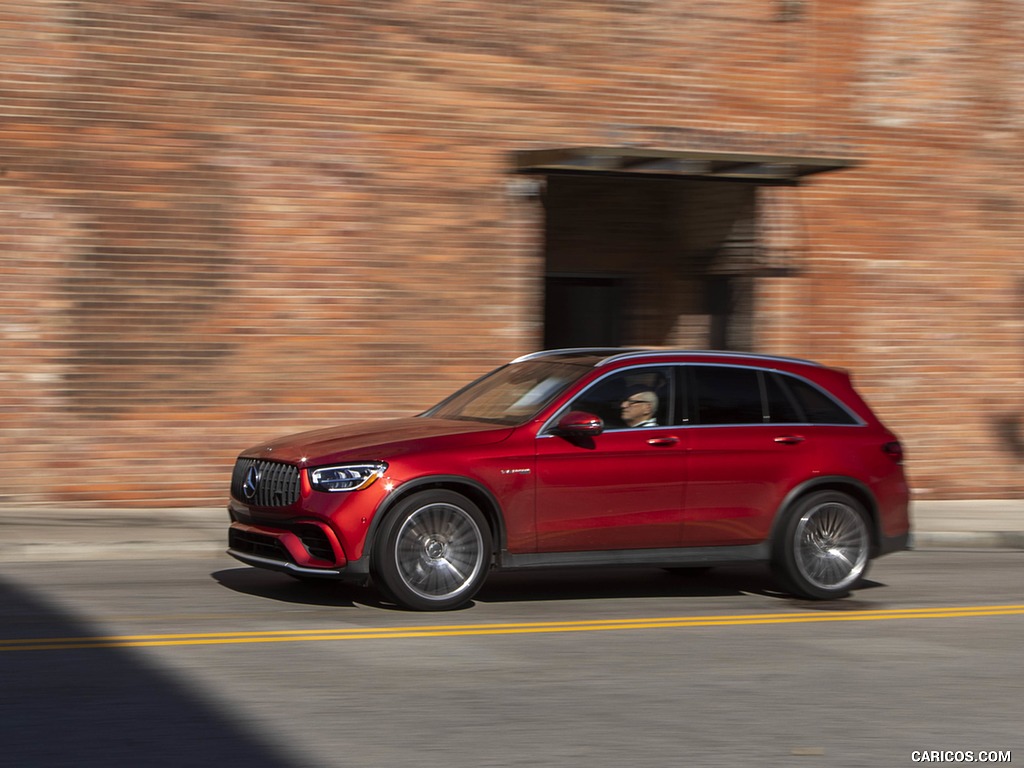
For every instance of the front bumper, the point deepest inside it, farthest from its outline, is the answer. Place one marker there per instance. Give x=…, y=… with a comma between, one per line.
x=285, y=567
x=305, y=548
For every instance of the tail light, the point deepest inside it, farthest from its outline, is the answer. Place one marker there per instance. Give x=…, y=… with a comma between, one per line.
x=894, y=451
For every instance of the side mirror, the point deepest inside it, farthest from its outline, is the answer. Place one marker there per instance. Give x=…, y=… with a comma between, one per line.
x=580, y=424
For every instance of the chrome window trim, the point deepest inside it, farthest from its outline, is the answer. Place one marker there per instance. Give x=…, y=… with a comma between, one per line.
x=544, y=431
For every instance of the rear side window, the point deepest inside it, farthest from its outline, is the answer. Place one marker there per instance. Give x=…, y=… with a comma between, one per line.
x=782, y=407
x=818, y=407
x=727, y=395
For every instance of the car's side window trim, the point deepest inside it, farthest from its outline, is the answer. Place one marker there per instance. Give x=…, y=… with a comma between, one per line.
x=683, y=410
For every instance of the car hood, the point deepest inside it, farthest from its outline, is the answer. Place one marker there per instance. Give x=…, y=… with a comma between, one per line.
x=377, y=440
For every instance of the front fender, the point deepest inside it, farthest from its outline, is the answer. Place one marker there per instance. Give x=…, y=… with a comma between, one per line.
x=472, y=489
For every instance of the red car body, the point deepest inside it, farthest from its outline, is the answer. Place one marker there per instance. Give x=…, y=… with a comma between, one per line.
x=532, y=466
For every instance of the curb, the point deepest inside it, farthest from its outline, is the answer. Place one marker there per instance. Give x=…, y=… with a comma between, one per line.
x=122, y=550
x=1013, y=540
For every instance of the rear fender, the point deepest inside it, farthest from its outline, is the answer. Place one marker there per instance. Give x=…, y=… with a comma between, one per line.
x=848, y=485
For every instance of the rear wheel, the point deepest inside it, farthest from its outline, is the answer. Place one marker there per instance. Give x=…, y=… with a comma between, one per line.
x=433, y=552
x=823, y=547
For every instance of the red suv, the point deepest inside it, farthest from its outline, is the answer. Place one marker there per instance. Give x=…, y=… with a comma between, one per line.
x=586, y=457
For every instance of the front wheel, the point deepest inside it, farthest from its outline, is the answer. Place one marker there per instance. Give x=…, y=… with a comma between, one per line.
x=823, y=547
x=433, y=552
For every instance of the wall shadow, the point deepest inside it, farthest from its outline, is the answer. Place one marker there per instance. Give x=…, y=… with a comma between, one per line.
x=1010, y=431
x=104, y=706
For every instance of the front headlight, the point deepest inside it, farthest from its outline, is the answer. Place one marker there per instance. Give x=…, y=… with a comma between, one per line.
x=346, y=477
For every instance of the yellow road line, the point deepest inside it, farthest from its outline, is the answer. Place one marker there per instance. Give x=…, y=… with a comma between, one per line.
x=519, y=628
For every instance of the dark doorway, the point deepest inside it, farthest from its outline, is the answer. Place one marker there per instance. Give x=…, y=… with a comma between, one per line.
x=648, y=261
x=583, y=311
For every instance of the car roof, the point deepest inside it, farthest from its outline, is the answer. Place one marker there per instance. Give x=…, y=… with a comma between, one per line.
x=598, y=357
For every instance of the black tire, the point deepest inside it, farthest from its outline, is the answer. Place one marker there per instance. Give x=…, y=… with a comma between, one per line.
x=433, y=552
x=823, y=547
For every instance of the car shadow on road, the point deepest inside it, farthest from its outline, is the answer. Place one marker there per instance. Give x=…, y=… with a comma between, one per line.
x=283, y=588
x=510, y=586
x=104, y=706
x=542, y=586
x=619, y=583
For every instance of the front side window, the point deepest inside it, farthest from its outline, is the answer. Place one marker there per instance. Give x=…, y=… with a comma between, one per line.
x=637, y=397
x=513, y=394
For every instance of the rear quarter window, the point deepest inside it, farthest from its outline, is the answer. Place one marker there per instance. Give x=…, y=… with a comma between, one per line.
x=817, y=406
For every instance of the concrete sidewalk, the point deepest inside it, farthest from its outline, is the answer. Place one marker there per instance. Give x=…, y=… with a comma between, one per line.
x=51, y=534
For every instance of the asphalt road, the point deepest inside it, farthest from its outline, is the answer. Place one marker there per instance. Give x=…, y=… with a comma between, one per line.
x=199, y=661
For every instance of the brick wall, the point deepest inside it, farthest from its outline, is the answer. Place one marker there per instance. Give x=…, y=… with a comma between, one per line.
x=223, y=221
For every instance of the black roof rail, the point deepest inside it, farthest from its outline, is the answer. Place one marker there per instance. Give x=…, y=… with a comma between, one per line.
x=577, y=352
x=610, y=355
x=711, y=352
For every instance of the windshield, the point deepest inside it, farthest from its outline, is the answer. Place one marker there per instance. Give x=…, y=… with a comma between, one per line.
x=510, y=395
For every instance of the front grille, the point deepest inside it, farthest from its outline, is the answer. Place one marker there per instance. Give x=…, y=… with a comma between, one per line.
x=271, y=485
x=253, y=543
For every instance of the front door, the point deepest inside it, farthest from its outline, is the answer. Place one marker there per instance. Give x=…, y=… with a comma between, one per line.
x=622, y=489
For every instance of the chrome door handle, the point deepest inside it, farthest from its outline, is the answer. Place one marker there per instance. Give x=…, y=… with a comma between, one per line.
x=790, y=439
x=663, y=441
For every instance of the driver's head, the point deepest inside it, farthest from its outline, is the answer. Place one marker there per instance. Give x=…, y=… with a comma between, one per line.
x=638, y=407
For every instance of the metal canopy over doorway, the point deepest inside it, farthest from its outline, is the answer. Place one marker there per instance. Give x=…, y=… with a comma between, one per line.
x=656, y=247
x=762, y=169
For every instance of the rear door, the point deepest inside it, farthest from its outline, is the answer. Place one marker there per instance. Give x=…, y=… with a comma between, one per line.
x=748, y=448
